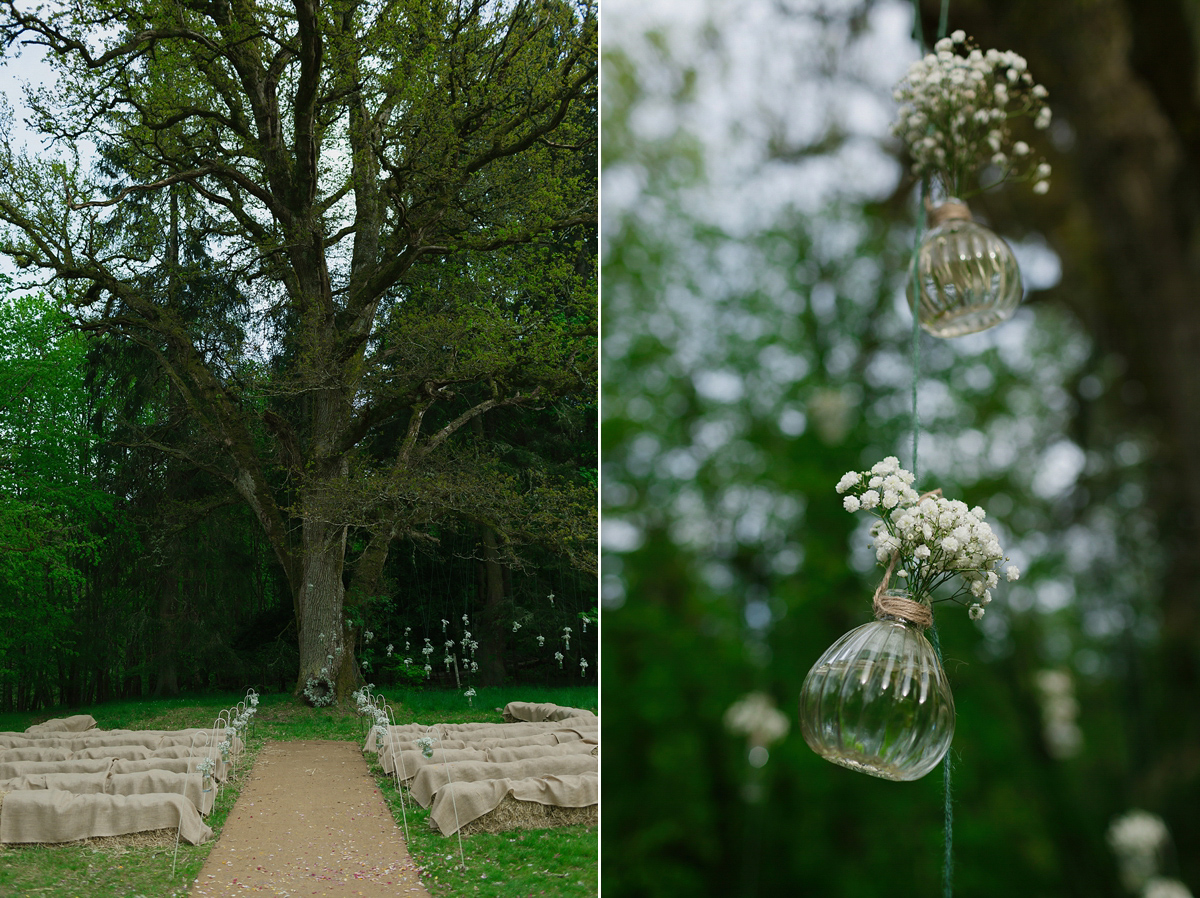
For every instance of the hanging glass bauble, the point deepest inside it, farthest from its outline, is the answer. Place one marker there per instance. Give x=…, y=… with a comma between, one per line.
x=969, y=279
x=878, y=700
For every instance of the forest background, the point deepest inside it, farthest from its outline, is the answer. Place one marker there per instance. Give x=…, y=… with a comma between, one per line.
x=758, y=225
x=298, y=368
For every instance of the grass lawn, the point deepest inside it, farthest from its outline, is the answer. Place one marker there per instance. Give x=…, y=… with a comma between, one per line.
x=551, y=862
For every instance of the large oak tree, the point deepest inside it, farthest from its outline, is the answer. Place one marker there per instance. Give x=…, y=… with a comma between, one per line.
x=401, y=194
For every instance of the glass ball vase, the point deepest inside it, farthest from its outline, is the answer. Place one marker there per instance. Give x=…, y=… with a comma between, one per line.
x=968, y=277
x=878, y=702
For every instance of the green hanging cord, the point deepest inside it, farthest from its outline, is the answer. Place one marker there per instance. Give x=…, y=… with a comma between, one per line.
x=948, y=857
x=916, y=329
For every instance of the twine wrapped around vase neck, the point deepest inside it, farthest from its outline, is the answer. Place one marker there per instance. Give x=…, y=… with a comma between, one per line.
x=950, y=210
x=913, y=612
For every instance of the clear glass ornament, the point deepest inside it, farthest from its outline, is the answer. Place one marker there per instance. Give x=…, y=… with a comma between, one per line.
x=969, y=278
x=878, y=700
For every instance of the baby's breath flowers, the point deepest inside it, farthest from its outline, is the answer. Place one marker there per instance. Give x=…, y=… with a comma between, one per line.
x=956, y=105
x=933, y=540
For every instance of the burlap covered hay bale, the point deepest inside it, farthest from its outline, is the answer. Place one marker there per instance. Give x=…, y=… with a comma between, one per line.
x=55, y=816
x=75, y=724
x=433, y=777
x=536, y=712
x=513, y=814
x=458, y=804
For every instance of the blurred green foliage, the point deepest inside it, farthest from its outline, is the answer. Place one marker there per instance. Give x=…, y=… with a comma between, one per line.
x=749, y=361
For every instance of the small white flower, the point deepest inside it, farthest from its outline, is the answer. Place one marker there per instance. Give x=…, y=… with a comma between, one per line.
x=870, y=499
x=1042, y=122
x=1012, y=572
x=558, y=656
x=975, y=612
x=849, y=479
x=1020, y=148
x=1041, y=187
x=902, y=574
x=921, y=552
x=851, y=503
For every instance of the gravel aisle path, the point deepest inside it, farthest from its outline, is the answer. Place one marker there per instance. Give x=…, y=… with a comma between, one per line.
x=310, y=821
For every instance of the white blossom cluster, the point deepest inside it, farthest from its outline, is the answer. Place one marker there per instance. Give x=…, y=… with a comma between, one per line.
x=205, y=766
x=934, y=540
x=756, y=717
x=1059, y=710
x=1137, y=838
x=425, y=743
x=368, y=708
x=956, y=106
x=1158, y=887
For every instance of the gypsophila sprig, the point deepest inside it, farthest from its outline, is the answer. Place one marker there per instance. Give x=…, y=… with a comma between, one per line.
x=936, y=541
x=956, y=109
x=425, y=744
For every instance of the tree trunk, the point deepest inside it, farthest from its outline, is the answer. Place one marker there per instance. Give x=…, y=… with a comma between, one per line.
x=325, y=644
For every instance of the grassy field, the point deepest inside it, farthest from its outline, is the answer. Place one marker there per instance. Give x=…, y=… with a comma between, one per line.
x=551, y=862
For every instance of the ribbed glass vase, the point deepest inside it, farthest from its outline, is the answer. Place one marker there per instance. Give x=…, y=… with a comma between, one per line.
x=879, y=702
x=969, y=279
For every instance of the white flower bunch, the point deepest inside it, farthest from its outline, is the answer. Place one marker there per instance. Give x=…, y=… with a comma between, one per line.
x=934, y=540
x=516, y=626
x=1137, y=838
x=381, y=726
x=558, y=656
x=583, y=666
x=365, y=705
x=955, y=108
x=425, y=743
x=205, y=768
x=470, y=694
x=225, y=746
x=541, y=641
x=1158, y=887
x=1063, y=736
x=756, y=717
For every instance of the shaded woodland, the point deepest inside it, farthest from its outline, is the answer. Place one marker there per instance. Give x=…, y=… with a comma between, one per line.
x=760, y=302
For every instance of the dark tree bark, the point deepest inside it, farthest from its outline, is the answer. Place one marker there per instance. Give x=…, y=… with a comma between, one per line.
x=1124, y=216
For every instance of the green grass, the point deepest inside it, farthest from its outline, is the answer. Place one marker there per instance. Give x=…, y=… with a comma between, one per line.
x=563, y=861
x=552, y=862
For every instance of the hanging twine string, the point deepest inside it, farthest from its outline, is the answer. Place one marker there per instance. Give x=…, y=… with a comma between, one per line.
x=948, y=857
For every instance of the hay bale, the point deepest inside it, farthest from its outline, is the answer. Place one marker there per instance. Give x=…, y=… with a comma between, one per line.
x=512, y=814
x=151, y=838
